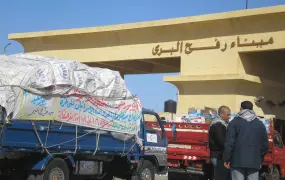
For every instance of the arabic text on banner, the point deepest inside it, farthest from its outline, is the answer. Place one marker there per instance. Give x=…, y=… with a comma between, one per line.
x=117, y=116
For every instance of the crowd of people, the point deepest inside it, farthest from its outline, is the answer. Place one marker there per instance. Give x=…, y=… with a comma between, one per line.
x=239, y=146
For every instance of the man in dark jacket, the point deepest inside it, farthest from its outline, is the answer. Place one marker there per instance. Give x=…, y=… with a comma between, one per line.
x=217, y=136
x=246, y=144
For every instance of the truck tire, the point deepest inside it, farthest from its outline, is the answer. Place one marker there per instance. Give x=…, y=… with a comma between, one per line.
x=265, y=175
x=146, y=171
x=275, y=174
x=56, y=169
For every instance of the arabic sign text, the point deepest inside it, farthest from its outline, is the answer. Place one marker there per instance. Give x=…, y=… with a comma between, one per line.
x=188, y=48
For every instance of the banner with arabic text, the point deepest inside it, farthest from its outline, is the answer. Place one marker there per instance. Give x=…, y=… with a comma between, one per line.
x=113, y=115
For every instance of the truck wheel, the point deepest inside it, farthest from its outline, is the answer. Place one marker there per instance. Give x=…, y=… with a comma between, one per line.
x=265, y=175
x=57, y=169
x=275, y=174
x=146, y=172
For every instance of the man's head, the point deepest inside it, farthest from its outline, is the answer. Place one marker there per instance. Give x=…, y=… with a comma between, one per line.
x=224, y=112
x=246, y=105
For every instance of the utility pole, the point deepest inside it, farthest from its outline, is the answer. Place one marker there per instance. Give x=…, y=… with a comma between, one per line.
x=246, y=4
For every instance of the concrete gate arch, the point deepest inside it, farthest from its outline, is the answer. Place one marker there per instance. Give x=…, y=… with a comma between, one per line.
x=222, y=58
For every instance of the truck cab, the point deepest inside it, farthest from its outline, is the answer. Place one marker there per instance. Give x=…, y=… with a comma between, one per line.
x=155, y=142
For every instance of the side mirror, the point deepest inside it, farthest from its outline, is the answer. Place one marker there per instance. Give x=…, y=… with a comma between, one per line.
x=174, y=132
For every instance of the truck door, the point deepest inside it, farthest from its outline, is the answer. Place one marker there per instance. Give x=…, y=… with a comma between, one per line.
x=154, y=138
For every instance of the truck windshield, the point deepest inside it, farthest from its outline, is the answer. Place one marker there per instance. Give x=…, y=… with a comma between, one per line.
x=150, y=118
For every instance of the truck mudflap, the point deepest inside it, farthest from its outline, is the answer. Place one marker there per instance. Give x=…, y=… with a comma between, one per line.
x=188, y=170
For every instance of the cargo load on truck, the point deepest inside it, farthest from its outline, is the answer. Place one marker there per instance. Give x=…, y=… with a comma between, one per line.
x=206, y=115
x=46, y=88
x=196, y=115
x=61, y=119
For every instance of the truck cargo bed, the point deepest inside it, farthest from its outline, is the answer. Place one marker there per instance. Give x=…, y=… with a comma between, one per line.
x=56, y=137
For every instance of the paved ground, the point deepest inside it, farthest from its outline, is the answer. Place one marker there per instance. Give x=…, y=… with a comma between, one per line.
x=164, y=178
x=161, y=177
x=156, y=178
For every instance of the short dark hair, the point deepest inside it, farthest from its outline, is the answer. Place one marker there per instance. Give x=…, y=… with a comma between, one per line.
x=222, y=108
x=246, y=105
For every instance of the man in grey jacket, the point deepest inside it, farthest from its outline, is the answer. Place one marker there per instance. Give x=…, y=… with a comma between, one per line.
x=246, y=144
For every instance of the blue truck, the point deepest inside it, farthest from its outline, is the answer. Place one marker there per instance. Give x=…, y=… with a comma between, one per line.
x=52, y=150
